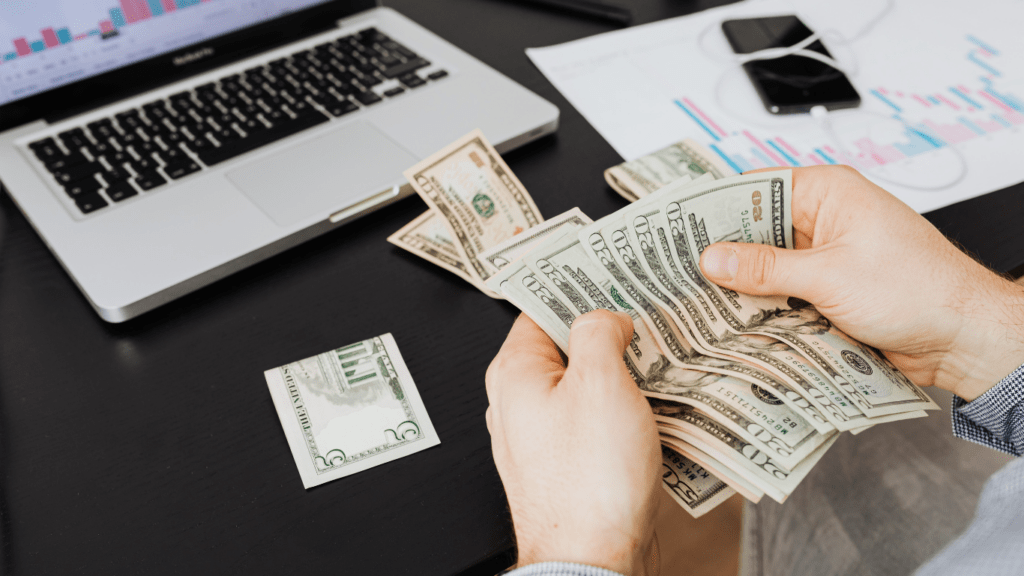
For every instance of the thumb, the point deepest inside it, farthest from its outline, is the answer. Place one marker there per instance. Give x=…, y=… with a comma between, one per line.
x=596, y=343
x=760, y=270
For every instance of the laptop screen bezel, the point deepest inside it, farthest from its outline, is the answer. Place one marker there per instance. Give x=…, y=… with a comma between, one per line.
x=109, y=87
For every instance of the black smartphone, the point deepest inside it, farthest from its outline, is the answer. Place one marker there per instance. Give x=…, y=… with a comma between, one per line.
x=791, y=84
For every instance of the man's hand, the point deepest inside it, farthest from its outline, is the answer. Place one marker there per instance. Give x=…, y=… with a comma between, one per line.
x=886, y=276
x=576, y=447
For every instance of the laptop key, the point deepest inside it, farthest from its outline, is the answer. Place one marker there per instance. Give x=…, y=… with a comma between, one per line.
x=120, y=191
x=149, y=180
x=412, y=81
x=405, y=68
x=182, y=168
x=73, y=173
x=47, y=150
x=394, y=92
x=64, y=162
x=82, y=187
x=90, y=202
x=437, y=75
x=341, y=108
x=367, y=98
x=74, y=139
x=282, y=130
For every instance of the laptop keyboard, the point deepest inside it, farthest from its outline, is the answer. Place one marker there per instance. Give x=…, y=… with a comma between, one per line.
x=139, y=150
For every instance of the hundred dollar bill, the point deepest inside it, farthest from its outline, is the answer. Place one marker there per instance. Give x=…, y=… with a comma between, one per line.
x=757, y=209
x=427, y=237
x=719, y=469
x=350, y=409
x=576, y=285
x=638, y=178
x=747, y=409
x=477, y=196
x=499, y=256
x=690, y=484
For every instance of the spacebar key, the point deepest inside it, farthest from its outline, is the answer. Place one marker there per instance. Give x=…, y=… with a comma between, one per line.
x=259, y=139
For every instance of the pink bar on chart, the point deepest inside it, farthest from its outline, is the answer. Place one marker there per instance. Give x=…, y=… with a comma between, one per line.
x=106, y=27
x=989, y=125
x=81, y=37
x=964, y=89
x=22, y=47
x=881, y=154
x=765, y=149
x=705, y=117
x=947, y=101
x=814, y=160
x=50, y=38
x=788, y=148
x=883, y=90
x=829, y=150
x=926, y=103
x=993, y=100
x=954, y=133
x=169, y=5
x=1014, y=117
x=900, y=94
x=135, y=10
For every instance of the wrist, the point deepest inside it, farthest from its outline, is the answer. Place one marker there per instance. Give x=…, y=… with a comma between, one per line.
x=618, y=554
x=990, y=342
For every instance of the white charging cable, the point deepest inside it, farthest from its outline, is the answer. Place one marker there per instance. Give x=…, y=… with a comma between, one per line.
x=819, y=114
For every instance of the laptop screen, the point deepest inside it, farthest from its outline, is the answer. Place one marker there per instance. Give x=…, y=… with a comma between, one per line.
x=45, y=44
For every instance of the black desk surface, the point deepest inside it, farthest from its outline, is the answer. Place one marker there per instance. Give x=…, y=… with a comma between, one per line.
x=153, y=447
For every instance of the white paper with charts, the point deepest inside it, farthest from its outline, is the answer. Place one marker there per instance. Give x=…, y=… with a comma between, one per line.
x=350, y=409
x=940, y=80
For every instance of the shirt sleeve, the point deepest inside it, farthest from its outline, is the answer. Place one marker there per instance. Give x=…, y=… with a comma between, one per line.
x=996, y=418
x=560, y=569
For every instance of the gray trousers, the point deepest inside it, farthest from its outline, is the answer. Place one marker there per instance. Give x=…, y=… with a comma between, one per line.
x=879, y=503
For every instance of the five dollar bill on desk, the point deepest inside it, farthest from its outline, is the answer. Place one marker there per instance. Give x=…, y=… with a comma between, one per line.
x=350, y=409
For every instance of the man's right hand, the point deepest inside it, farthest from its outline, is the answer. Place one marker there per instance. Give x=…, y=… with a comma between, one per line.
x=885, y=276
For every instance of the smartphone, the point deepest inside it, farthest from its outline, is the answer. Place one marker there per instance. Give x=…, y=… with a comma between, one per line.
x=791, y=84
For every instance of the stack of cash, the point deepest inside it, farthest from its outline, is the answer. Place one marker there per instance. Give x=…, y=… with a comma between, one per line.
x=748, y=392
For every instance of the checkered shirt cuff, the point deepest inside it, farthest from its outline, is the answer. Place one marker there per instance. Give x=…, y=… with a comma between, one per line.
x=560, y=569
x=996, y=418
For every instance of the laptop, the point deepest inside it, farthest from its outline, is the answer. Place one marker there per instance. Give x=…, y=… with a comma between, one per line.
x=159, y=145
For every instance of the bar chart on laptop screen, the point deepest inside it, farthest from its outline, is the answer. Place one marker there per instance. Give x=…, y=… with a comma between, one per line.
x=49, y=43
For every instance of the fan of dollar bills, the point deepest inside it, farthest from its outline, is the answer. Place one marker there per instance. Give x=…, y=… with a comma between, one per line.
x=748, y=392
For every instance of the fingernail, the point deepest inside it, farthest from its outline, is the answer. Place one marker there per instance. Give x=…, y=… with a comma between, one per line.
x=720, y=263
x=622, y=314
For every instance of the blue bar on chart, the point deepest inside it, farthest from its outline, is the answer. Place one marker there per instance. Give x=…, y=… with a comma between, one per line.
x=973, y=57
x=38, y=46
x=826, y=157
x=697, y=120
x=879, y=95
x=10, y=56
x=964, y=97
x=919, y=142
x=156, y=7
x=186, y=3
x=971, y=126
x=117, y=18
x=792, y=161
x=1006, y=99
x=64, y=35
x=738, y=167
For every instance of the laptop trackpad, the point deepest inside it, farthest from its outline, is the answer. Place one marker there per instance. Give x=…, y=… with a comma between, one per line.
x=324, y=174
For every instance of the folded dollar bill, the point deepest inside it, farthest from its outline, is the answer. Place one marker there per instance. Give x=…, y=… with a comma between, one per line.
x=350, y=409
x=638, y=178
